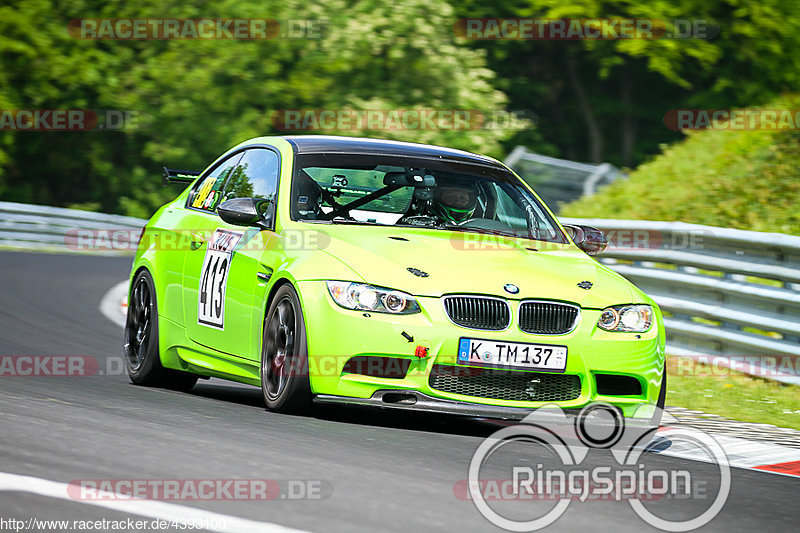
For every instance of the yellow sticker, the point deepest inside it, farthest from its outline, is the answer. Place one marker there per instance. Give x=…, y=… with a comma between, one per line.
x=201, y=195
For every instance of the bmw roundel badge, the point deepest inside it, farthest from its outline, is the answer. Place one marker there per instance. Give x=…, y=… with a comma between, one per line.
x=511, y=288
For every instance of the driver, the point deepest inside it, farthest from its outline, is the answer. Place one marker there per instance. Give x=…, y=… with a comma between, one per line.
x=455, y=200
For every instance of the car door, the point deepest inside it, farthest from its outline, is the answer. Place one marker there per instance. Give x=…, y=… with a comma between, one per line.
x=221, y=276
x=200, y=222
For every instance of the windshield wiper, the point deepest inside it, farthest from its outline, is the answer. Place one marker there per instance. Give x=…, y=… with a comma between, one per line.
x=343, y=221
x=480, y=230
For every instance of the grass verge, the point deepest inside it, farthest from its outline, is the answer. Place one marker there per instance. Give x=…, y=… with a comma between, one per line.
x=732, y=394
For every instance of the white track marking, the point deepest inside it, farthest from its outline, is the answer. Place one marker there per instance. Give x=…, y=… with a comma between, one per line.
x=147, y=508
x=741, y=453
x=111, y=303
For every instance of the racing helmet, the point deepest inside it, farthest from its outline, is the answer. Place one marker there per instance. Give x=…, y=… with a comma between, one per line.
x=454, y=200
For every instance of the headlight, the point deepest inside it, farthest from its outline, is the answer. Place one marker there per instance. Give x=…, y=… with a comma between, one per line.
x=362, y=297
x=636, y=318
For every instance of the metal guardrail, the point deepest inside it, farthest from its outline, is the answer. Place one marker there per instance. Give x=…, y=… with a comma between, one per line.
x=724, y=292
x=560, y=181
x=54, y=228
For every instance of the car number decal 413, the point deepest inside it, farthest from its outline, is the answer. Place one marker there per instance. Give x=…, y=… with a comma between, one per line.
x=214, y=278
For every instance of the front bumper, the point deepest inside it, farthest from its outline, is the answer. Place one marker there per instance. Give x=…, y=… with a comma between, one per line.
x=404, y=400
x=335, y=335
x=411, y=400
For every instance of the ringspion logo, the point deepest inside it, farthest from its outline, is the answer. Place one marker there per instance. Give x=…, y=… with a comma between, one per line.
x=558, y=470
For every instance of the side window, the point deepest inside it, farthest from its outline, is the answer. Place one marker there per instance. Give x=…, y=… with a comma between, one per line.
x=256, y=176
x=207, y=193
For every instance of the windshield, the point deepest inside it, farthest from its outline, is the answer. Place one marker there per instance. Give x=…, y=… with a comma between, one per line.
x=437, y=194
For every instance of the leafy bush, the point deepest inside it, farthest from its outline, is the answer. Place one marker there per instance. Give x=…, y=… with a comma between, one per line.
x=731, y=178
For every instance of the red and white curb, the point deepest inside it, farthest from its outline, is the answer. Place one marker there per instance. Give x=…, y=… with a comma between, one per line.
x=741, y=453
x=114, y=304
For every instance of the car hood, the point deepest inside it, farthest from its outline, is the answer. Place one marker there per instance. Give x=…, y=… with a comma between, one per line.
x=458, y=262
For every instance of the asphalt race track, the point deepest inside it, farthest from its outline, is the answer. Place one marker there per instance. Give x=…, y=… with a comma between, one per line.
x=377, y=471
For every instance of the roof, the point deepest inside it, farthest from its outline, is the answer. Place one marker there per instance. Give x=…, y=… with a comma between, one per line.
x=310, y=144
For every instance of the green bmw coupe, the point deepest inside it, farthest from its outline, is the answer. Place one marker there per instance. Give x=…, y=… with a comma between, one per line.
x=387, y=274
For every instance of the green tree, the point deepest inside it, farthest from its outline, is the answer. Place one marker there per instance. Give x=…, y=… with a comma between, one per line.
x=605, y=100
x=196, y=98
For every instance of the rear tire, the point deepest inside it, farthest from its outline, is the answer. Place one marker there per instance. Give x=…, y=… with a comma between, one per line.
x=284, y=355
x=142, y=354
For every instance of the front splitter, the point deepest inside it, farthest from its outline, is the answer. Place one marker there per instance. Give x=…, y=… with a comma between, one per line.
x=410, y=400
x=416, y=401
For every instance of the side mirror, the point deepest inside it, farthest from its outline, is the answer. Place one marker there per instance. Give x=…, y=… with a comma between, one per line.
x=247, y=212
x=588, y=238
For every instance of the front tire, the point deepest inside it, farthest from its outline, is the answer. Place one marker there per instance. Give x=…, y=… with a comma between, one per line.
x=284, y=355
x=142, y=355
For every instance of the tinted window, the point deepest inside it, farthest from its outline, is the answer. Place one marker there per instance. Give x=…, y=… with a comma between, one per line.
x=379, y=189
x=256, y=176
x=207, y=192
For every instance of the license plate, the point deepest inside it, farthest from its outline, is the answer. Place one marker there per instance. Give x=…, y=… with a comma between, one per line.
x=482, y=352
